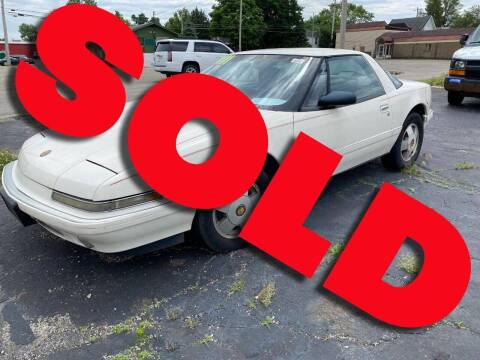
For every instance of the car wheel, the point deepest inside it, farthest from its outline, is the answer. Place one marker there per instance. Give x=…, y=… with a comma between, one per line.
x=455, y=98
x=408, y=145
x=191, y=69
x=219, y=229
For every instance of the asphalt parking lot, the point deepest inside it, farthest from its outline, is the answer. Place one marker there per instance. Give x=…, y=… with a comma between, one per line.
x=59, y=301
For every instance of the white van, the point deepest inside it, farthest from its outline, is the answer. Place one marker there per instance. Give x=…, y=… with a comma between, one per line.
x=464, y=76
x=175, y=56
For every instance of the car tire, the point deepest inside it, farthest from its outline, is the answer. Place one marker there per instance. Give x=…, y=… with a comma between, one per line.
x=455, y=98
x=408, y=145
x=208, y=224
x=190, y=68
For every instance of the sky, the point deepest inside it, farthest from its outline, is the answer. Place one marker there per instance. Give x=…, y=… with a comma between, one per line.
x=382, y=9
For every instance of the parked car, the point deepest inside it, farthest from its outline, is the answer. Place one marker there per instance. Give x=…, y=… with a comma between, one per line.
x=463, y=78
x=187, y=56
x=85, y=192
x=15, y=60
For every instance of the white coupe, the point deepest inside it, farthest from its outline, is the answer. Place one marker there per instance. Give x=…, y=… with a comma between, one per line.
x=87, y=192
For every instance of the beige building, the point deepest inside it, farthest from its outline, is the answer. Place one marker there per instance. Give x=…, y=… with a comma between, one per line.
x=363, y=36
x=432, y=44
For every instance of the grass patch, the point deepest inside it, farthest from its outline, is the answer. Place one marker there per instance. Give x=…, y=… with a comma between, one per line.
x=171, y=346
x=237, y=286
x=266, y=294
x=251, y=304
x=141, y=328
x=411, y=171
x=336, y=250
x=6, y=156
x=122, y=328
x=410, y=264
x=269, y=321
x=206, y=340
x=465, y=166
x=436, y=80
x=191, y=322
x=174, y=313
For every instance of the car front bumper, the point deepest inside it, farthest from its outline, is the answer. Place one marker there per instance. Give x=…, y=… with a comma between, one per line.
x=469, y=87
x=109, y=232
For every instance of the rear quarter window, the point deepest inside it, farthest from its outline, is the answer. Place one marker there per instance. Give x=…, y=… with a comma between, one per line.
x=179, y=46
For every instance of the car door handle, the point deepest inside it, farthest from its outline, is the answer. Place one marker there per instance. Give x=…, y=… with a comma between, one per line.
x=384, y=107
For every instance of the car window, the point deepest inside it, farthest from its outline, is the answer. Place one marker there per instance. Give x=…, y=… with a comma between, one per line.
x=353, y=73
x=319, y=87
x=220, y=49
x=203, y=47
x=179, y=46
x=163, y=46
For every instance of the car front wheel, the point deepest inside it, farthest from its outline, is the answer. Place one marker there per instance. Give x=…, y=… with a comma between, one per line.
x=219, y=229
x=455, y=98
x=408, y=145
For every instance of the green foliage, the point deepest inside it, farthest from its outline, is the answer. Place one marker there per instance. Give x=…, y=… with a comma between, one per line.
x=225, y=17
x=436, y=80
x=469, y=18
x=119, y=15
x=6, y=157
x=139, y=19
x=190, y=24
x=28, y=32
x=321, y=24
x=443, y=11
x=284, y=21
x=266, y=295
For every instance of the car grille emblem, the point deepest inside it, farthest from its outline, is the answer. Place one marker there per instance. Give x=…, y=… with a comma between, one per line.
x=45, y=153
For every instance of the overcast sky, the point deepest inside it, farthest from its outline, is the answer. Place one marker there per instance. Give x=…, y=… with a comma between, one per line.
x=383, y=9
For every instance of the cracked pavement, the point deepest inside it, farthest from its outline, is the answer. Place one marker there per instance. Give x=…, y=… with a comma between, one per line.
x=61, y=301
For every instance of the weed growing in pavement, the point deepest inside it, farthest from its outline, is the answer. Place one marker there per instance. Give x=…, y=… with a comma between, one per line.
x=336, y=250
x=6, y=156
x=237, y=286
x=269, y=321
x=206, y=340
x=410, y=264
x=465, y=166
x=266, y=294
x=174, y=313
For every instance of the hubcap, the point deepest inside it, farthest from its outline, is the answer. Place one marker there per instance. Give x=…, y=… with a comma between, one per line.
x=229, y=220
x=190, y=70
x=410, y=140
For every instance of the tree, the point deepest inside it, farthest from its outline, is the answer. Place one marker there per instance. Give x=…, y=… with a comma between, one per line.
x=85, y=2
x=119, y=15
x=201, y=23
x=28, y=32
x=321, y=25
x=181, y=24
x=139, y=19
x=469, y=18
x=443, y=11
x=284, y=21
x=225, y=17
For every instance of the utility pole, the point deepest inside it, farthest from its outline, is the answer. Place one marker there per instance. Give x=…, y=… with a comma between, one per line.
x=240, y=23
x=5, y=34
x=343, y=24
x=334, y=18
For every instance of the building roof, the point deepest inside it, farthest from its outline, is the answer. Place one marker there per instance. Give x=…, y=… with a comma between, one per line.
x=153, y=23
x=302, y=52
x=425, y=35
x=415, y=23
x=367, y=25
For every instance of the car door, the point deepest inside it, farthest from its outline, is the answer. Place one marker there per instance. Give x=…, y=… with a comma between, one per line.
x=205, y=54
x=358, y=131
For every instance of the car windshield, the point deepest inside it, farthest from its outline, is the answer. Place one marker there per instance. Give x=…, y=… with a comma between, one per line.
x=474, y=39
x=270, y=81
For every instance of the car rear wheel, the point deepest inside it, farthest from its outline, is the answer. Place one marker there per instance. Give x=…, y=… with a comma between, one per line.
x=219, y=229
x=408, y=145
x=191, y=69
x=455, y=98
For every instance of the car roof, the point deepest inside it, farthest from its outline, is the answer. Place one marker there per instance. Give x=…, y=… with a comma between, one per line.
x=183, y=40
x=303, y=52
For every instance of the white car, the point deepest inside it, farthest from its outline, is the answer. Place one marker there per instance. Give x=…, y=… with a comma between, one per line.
x=187, y=56
x=87, y=192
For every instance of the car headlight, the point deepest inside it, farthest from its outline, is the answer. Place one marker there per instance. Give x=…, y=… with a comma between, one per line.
x=101, y=206
x=458, y=64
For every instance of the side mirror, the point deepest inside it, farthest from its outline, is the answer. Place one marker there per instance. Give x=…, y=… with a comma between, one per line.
x=337, y=98
x=463, y=39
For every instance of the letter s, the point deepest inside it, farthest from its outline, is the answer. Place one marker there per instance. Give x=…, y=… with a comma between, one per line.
x=99, y=93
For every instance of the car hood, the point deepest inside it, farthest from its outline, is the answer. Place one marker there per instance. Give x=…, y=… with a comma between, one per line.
x=468, y=53
x=99, y=168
